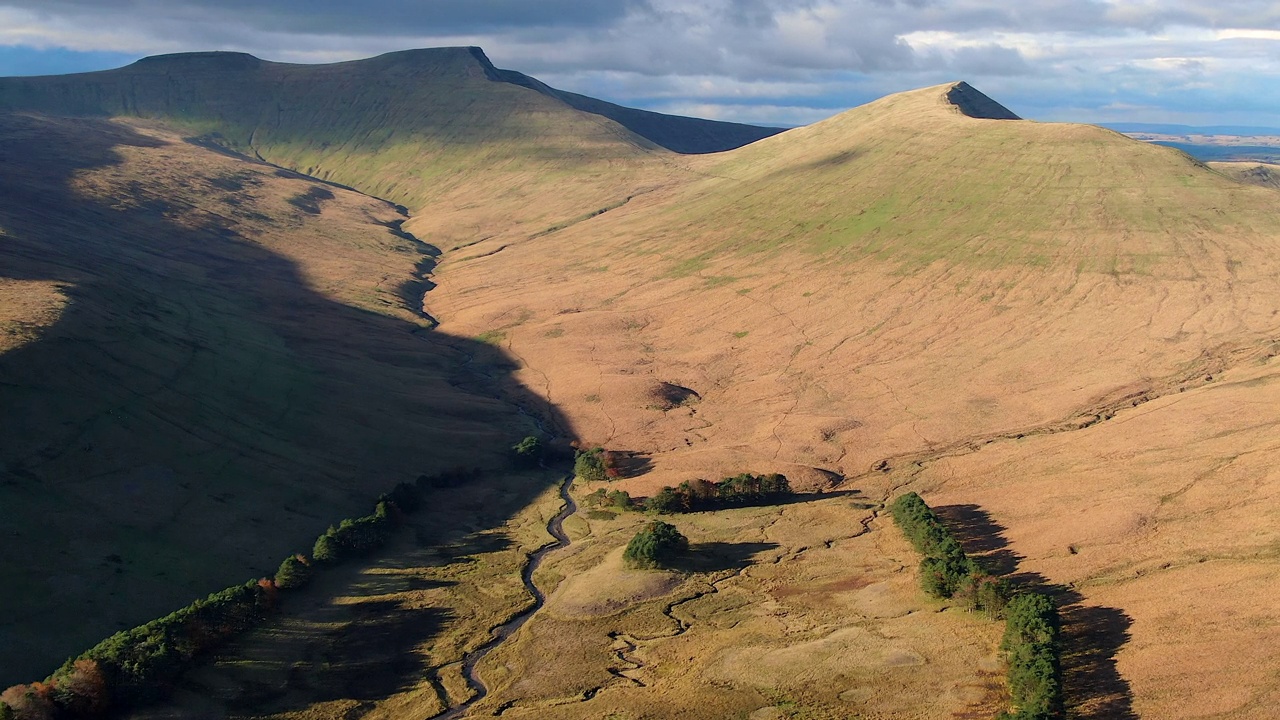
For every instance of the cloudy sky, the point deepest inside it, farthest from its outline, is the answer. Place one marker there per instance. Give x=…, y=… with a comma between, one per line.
x=784, y=62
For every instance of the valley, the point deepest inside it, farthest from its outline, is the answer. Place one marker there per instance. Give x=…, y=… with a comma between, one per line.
x=1062, y=338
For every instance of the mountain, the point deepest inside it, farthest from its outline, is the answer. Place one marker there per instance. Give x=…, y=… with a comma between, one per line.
x=437, y=126
x=1061, y=337
x=1262, y=174
x=1044, y=325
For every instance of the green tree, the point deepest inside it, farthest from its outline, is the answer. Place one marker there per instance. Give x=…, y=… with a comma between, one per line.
x=666, y=501
x=656, y=545
x=589, y=464
x=527, y=453
x=6, y=712
x=620, y=499
x=294, y=572
x=1031, y=644
x=326, y=548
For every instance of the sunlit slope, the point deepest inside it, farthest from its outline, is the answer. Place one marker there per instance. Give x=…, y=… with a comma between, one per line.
x=1051, y=266
x=902, y=284
x=416, y=127
x=913, y=179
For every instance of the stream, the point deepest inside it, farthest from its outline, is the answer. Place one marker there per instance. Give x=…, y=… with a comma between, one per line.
x=501, y=633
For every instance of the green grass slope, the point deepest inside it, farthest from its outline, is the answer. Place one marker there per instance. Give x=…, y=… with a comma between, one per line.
x=414, y=127
x=914, y=178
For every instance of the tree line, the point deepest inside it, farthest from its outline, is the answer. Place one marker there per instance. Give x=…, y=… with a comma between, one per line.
x=139, y=665
x=743, y=490
x=1031, y=640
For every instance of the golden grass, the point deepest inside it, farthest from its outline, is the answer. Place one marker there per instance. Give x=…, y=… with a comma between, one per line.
x=922, y=283
x=779, y=612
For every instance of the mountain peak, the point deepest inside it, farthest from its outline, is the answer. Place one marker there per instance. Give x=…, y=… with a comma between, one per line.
x=973, y=103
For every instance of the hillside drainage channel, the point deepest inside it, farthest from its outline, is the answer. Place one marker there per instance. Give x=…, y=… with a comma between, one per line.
x=500, y=634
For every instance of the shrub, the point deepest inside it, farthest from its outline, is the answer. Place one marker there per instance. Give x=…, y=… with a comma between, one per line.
x=355, y=537
x=620, y=499
x=990, y=594
x=294, y=572
x=656, y=545
x=667, y=501
x=30, y=702
x=82, y=692
x=527, y=453
x=589, y=464
x=326, y=548
x=6, y=712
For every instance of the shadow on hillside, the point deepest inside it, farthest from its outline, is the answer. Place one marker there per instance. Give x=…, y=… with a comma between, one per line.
x=717, y=556
x=199, y=411
x=1091, y=635
x=804, y=497
x=375, y=659
x=630, y=464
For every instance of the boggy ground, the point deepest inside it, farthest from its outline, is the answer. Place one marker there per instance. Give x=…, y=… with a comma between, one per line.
x=384, y=638
x=810, y=609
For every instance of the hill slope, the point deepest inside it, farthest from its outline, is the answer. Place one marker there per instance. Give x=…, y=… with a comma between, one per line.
x=902, y=284
x=415, y=127
x=922, y=293
x=204, y=363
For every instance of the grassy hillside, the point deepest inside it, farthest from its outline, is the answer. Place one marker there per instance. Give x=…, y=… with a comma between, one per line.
x=902, y=284
x=1261, y=174
x=913, y=179
x=440, y=127
x=206, y=362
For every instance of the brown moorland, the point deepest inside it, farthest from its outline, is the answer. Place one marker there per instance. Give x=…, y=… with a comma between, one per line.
x=901, y=294
x=1061, y=336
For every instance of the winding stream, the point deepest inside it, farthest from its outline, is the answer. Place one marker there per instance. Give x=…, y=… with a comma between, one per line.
x=501, y=633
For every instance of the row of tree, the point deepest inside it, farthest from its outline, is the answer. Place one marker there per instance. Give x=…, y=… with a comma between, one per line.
x=1031, y=639
x=738, y=491
x=945, y=570
x=138, y=665
x=1033, y=648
